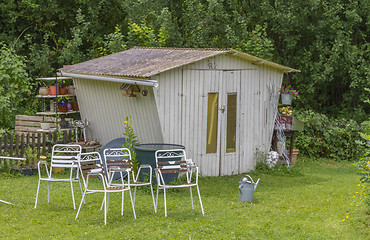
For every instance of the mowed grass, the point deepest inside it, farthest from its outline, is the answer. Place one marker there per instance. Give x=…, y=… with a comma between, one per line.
x=310, y=206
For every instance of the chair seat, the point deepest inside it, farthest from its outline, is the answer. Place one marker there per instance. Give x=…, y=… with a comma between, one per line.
x=58, y=179
x=116, y=188
x=139, y=183
x=178, y=186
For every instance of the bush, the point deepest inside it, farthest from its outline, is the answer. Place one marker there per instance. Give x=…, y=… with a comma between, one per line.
x=338, y=139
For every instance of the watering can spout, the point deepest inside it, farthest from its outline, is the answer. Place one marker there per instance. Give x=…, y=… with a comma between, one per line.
x=255, y=185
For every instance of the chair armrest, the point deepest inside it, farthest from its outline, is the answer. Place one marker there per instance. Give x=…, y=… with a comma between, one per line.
x=145, y=166
x=45, y=163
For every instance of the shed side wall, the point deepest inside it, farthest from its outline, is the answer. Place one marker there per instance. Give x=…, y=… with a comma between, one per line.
x=104, y=106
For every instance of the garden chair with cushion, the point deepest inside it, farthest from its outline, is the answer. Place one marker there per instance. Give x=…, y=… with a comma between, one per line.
x=91, y=165
x=63, y=156
x=174, y=161
x=117, y=159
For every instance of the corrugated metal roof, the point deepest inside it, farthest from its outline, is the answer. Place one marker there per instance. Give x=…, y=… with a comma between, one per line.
x=143, y=62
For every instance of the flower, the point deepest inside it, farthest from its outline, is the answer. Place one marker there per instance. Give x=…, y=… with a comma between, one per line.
x=289, y=90
x=285, y=111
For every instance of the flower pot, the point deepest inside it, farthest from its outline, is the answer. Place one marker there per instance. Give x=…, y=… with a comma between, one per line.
x=74, y=106
x=71, y=90
x=280, y=148
x=54, y=90
x=57, y=169
x=63, y=108
x=44, y=91
x=25, y=171
x=294, y=156
x=45, y=126
x=63, y=91
x=286, y=99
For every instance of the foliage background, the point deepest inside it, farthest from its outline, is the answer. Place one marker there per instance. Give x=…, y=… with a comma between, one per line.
x=327, y=40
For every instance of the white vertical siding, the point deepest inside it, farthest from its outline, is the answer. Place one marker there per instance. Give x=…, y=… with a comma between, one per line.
x=104, y=106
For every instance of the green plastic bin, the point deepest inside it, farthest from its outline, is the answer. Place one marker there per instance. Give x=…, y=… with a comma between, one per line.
x=145, y=154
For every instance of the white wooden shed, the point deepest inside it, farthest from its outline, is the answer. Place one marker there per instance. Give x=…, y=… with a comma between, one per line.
x=214, y=102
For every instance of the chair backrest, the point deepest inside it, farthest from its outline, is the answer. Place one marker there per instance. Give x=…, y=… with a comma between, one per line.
x=171, y=161
x=90, y=164
x=64, y=155
x=117, y=157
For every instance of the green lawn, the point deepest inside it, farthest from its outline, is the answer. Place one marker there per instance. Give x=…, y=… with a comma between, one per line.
x=311, y=206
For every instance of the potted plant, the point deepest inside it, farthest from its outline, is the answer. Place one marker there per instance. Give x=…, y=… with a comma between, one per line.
x=288, y=94
x=45, y=125
x=62, y=105
x=29, y=166
x=43, y=91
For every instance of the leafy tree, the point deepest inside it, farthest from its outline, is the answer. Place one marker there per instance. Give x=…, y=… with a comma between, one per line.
x=14, y=85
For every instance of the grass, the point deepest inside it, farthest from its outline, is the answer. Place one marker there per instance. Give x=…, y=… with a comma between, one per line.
x=310, y=205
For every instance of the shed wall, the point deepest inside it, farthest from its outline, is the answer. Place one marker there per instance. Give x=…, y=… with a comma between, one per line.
x=104, y=106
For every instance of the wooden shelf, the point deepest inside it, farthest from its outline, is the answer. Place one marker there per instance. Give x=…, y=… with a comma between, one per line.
x=54, y=96
x=53, y=113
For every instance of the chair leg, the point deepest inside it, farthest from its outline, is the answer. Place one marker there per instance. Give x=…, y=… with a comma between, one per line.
x=200, y=200
x=102, y=204
x=79, y=182
x=132, y=204
x=82, y=200
x=48, y=191
x=123, y=196
x=105, y=207
x=73, y=197
x=37, y=193
x=191, y=197
x=156, y=204
x=165, y=204
x=135, y=195
x=151, y=189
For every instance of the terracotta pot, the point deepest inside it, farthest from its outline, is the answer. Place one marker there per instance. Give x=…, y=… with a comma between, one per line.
x=54, y=90
x=294, y=155
x=63, y=108
x=74, y=106
x=63, y=91
x=44, y=91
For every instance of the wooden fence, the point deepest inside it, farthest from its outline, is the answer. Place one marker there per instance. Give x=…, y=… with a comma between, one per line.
x=14, y=145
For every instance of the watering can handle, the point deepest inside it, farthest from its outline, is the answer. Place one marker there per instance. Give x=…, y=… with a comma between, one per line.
x=246, y=176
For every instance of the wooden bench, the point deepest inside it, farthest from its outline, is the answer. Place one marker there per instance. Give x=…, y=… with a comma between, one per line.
x=32, y=124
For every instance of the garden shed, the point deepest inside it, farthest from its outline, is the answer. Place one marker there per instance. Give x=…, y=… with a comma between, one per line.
x=215, y=102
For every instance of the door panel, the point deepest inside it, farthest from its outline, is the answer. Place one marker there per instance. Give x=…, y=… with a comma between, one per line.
x=210, y=113
x=230, y=102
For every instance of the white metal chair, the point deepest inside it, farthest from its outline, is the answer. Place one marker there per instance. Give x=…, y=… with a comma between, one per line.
x=174, y=161
x=117, y=159
x=64, y=156
x=91, y=165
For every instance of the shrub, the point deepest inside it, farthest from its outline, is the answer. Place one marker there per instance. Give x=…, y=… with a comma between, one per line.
x=338, y=139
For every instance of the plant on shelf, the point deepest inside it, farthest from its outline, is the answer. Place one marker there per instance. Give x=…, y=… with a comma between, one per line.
x=288, y=90
x=286, y=111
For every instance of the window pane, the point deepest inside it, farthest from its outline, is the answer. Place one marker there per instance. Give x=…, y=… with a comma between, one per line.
x=231, y=123
x=212, y=123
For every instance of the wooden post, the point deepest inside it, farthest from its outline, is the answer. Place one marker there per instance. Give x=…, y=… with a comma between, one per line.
x=22, y=145
x=49, y=142
x=11, y=144
x=44, y=144
x=1, y=146
x=17, y=145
